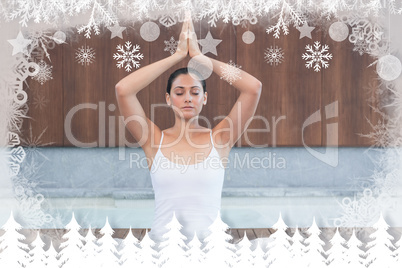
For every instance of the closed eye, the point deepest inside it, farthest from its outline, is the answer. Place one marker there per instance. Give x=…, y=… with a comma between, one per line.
x=182, y=94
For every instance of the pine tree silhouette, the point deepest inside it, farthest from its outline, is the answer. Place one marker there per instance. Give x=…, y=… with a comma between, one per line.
x=354, y=253
x=379, y=253
x=149, y=256
x=336, y=254
x=173, y=249
x=38, y=254
x=51, y=254
x=14, y=253
x=313, y=255
x=398, y=253
x=90, y=250
x=258, y=257
x=219, y=251
x=195, y=255
x=244, y=253
x=131, y=252
x=278, y=254
x=108, y=254
x=297, y=250
x=71, y=249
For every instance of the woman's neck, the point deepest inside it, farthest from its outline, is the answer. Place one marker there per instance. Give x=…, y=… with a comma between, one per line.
x=189, y=127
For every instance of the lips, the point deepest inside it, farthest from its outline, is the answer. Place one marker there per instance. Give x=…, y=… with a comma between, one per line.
x=188, y=107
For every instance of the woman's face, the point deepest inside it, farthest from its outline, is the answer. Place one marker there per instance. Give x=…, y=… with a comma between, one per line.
x=186, y=91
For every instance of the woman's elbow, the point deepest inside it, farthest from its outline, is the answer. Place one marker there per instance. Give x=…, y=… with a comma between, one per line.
x=119, y=88
x=258, y=87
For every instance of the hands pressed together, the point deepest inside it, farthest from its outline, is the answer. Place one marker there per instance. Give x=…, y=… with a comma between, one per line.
x=188, y=44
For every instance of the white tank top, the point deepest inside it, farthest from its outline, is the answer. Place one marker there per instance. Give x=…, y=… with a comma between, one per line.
x=193, y=192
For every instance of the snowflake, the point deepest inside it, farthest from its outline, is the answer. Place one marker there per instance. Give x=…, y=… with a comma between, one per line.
x=85, y=55
x=231, y=72
x=367, y=37
x=128, y=56
x=31, y=205
x=33, y=143
x=40, y=102
x=274, y=55
x=41, y=41
x=30, y=170
x=171, y=45
x=362, y=210
x=361, y=47
x=14, y=114
x=374, y=92
x=317, y=56
x=45, y=72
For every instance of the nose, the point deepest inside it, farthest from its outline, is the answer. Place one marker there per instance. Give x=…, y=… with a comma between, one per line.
x=188, y=96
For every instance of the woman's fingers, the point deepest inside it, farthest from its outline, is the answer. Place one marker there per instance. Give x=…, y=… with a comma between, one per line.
x=194, y=49
x=184, y=27
x=182, y=46
x=187, y=15
x=191, y=25
x=192, y=34
x=185, y=35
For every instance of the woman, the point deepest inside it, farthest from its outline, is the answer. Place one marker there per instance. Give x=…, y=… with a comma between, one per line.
x=189, y=187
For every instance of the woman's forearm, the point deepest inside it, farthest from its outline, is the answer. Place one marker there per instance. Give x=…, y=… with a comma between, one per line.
x=134, y=82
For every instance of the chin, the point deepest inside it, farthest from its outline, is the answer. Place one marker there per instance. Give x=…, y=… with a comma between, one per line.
x=188, y=117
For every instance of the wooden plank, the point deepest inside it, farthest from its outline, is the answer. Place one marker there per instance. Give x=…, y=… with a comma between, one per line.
x=290, y=92
x=289, y=89
x=82, y=89
x=261, y=232
x=56, y=235
x=348, y=81
x=46, y=125
x=120, y=233
x=50, y=235
x=94, y=84
x=137, y=233
x=235, y=235
x=249, y=232
x=121, y=133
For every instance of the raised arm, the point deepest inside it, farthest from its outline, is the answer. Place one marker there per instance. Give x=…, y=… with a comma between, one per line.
x=127, y=88
x=230, y=129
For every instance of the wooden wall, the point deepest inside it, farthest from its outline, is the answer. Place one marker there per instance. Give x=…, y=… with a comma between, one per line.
x=289, y=90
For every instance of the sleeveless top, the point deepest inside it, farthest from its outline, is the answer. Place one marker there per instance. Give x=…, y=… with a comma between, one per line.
x=192, y=192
